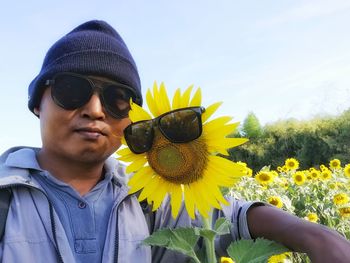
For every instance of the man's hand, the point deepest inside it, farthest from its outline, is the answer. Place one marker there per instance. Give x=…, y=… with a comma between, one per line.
x=321, y=244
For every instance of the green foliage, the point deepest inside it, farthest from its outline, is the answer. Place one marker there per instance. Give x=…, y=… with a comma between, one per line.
x=312, y=142
x=254, y=251
x=251, y=126
x=184, y=240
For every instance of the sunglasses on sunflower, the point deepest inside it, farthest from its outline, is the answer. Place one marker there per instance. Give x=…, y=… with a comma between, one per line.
x=72, y=91
x=178, y=126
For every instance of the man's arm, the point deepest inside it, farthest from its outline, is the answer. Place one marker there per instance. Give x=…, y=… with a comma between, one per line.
x=321, y=244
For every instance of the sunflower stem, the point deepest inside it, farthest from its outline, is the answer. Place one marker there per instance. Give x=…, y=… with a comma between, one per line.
x=209, y=244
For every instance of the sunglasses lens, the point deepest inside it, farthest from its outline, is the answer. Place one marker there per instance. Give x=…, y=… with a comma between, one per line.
x=71, y=92
x=139, y=136
x=117, y=101
x=181, y=126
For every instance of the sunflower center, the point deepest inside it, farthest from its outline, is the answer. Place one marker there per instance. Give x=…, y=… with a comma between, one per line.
x=179, y=163
x=170, y=157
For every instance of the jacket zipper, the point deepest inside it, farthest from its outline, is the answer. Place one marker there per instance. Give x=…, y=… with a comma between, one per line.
x=116, y=240
x=53, y=224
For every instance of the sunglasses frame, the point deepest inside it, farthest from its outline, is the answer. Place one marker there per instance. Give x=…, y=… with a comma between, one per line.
x=94, y=87
x=155, y=123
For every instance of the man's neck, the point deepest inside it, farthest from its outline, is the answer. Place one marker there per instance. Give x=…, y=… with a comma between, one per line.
x=82, y=176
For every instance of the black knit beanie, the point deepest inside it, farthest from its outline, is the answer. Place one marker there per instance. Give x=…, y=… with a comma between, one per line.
x=93, y=48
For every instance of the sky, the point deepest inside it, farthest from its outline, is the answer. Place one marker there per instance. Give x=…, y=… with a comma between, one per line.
x=277, y=59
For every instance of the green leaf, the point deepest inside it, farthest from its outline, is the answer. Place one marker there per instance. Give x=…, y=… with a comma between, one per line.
x=207, y=233
x=222, y=226
x=258, y=251
x=181, y=239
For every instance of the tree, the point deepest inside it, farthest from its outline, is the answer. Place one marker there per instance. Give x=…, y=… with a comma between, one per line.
x=251, y=127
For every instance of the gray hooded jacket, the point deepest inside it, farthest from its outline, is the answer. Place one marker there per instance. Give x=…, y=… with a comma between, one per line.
x=34, y=232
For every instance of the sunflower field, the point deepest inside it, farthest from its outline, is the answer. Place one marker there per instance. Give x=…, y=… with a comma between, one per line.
x=318, y=194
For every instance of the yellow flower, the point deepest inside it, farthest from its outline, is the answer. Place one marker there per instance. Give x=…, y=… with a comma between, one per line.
x=335, y=164
x=283, y=182
x=275, y=201
x=326, y=174
x=314, y=174
x=264, y=177
x=340, y=199
x=284, y=169
x=291, y=164
x=274, y=173
x=278, y=258
x=249, y=172
x=344, y=211
x=333, y=186
x=191, y=172
x=245, y=169
x=226, y=260
x=312, y=217
x=323, y=167
x=347, y=170
x=299, y=178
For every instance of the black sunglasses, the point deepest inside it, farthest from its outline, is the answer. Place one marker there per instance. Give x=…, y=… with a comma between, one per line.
x=178, y=126
x=72, y=91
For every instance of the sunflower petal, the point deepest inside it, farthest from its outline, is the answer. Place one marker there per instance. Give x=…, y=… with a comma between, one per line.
x=203, y=208
x=138, y=114
x=197, y=98
x=210, y=181
x=176, y=200
x=207, y=194
x=227, y=172
x=132, y=157
x=209, y=111
x=123, y=141
x=185, y=98
x=176, y=100
x=156, y=95
x=224, y=143
x=189, y=201
x=164, y=99
x=136, y=165
x=140, y=179
x=159, y=195
x=151, y=103
x=149, y=189
x=124, y=151
x=218, y=123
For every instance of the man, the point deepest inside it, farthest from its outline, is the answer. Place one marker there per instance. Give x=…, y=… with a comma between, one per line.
x=69, y=198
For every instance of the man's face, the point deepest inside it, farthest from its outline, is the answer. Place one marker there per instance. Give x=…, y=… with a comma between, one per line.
x=86, y=134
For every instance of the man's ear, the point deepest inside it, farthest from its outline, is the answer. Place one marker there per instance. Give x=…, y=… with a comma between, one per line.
x=37, y=111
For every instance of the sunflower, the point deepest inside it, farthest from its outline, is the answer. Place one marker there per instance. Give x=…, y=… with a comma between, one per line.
x=291, y=164
x=226, y=260
x=312, y=217
x=275, y=201
x=335, y=164
x=347, y=170
x=341, y=199
x=326, y=174
x=344, y=211
x=191, y=172
x=278, y=258
x=314, y=173
x=299, y=178
x=246, y=170
x=264, y=177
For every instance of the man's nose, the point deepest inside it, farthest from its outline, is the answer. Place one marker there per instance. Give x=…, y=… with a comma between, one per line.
x=93, y=108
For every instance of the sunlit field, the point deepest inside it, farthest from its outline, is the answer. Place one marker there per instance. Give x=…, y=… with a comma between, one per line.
x=318, y=194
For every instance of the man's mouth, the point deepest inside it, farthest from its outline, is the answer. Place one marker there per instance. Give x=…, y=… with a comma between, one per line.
x=90, y=133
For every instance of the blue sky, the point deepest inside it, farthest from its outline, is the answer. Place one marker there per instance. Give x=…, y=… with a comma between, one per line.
x=278, y=59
